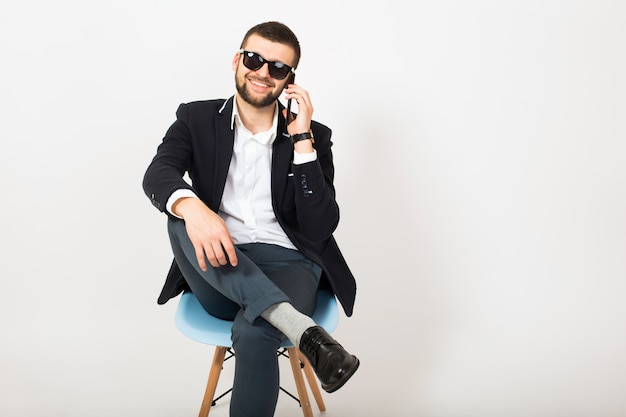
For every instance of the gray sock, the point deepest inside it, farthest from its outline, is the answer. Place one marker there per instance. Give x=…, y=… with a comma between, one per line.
x=288, y=320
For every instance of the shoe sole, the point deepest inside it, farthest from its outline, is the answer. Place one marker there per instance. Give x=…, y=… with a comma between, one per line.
x=340, y=383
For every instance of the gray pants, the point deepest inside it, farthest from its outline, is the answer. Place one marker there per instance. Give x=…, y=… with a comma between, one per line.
x=265, y=275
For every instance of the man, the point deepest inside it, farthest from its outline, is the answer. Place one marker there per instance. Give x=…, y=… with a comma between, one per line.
x=252, y=233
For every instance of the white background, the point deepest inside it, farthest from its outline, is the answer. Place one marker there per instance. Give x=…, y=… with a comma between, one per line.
x=479, y=148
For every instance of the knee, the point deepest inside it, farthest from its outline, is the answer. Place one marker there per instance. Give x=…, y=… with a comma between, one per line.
x=175, y=227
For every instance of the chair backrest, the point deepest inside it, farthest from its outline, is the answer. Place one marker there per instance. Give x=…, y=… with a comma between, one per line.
x=194, y=322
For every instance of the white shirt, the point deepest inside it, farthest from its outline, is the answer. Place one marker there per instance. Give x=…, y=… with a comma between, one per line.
x=246, y=204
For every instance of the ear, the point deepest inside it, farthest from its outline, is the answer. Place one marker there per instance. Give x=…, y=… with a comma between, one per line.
x=236, y=61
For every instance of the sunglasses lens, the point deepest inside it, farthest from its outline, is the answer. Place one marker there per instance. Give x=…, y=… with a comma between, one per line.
x=252, y=61
x=279, y=70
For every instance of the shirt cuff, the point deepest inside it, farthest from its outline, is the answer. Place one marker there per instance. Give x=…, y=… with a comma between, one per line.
x=303, y=158
x=177, y=195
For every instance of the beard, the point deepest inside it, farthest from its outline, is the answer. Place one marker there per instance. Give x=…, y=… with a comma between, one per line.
x=244, y=93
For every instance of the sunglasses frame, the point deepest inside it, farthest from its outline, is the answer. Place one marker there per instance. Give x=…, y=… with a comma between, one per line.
x=271, y=65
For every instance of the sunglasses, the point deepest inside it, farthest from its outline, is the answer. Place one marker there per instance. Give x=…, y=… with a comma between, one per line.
x=254, y=61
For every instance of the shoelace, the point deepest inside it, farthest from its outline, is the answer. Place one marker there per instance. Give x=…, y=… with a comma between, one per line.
x=314, y=341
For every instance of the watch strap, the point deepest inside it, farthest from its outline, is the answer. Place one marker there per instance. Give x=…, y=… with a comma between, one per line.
x=302, y=136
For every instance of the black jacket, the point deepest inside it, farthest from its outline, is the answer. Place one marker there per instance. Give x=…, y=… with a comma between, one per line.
x=200, y=142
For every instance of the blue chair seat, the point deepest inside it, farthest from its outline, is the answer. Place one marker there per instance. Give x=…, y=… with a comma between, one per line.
x=195, y=323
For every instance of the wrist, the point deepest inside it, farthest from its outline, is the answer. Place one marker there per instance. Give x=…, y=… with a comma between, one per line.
x=303, y=147
x=182, y=206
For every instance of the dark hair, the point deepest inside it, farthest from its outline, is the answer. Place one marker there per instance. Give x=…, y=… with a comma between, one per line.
x=275, y=32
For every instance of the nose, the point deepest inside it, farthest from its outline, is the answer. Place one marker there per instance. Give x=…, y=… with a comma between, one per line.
x=264, y=70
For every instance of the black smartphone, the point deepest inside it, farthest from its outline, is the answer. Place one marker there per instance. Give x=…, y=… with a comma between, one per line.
x=292, y=78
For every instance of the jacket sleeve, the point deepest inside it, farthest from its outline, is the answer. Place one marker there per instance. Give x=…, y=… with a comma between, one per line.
x=165, y=173
x=316, y=209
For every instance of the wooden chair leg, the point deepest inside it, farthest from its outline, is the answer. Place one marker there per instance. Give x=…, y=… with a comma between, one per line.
x=214, y=376
x=303, y=395
x=312, y=380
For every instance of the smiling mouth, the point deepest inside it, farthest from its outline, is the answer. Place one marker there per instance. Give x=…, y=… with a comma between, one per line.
x=260, y=83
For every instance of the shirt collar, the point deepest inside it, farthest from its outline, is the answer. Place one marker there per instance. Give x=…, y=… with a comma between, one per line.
x=265, y=138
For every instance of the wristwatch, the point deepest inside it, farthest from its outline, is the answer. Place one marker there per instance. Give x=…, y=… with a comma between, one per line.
x=302, y=136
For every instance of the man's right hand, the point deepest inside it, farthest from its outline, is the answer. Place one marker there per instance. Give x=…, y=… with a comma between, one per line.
x=207, y=231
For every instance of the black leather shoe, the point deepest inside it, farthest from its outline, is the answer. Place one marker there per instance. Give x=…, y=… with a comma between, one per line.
x=331, y=363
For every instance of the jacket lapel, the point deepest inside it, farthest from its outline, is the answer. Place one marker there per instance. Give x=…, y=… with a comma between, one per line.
x=224, y=140
x=282, y=156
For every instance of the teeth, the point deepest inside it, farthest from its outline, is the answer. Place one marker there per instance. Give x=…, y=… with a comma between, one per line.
x=259, y=84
